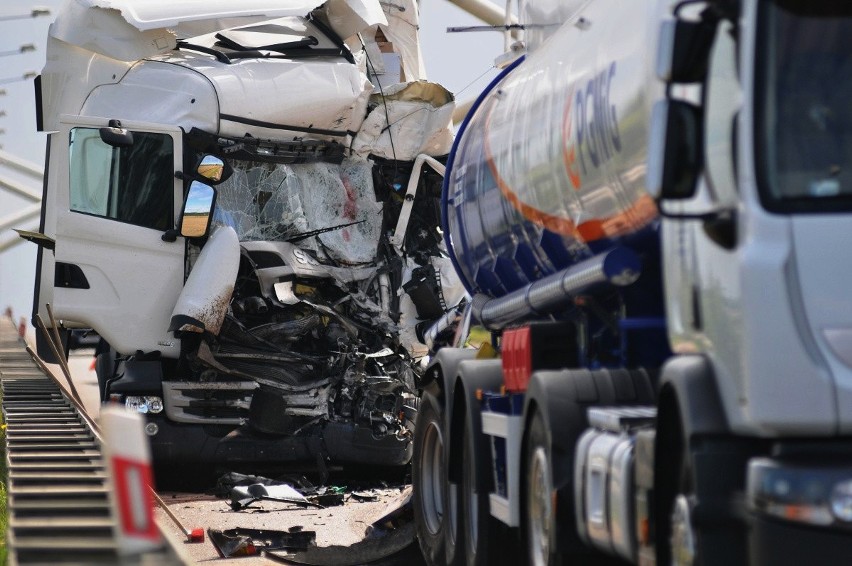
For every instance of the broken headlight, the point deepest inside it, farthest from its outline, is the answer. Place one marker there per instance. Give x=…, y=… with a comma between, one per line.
x=147, y=404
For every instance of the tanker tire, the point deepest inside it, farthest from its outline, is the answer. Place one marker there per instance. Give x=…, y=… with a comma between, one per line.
x=428, y=476
x=538, y=513
x=487, y=541
x=454, y=554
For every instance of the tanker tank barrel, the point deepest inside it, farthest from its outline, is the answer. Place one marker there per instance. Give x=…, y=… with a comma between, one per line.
x=619, y=266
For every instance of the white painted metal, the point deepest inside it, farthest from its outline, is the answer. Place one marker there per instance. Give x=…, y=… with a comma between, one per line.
x=184, y=98
x=763, y=297
x=153, y=14
x=207, y=293
x=420, y=118
x=398, y=236
x=510, y=428
x=191, y=89
x=131, y=293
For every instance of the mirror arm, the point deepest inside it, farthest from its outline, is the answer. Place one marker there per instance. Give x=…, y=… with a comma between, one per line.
x=722, y=228
x=720, y=224
x=170, y=235
x=703, y=216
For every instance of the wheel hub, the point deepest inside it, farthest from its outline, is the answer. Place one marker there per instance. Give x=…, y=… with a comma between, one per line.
x=683, y=536
x=540, y=508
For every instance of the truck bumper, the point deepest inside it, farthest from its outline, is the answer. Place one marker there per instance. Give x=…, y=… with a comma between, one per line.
x=341, y=443
x=788, y=544
x=800, y=511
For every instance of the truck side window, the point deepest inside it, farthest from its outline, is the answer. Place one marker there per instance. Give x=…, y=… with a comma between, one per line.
x=129, y=184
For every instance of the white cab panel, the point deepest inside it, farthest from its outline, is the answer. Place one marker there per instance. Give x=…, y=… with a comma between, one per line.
x=133, y=276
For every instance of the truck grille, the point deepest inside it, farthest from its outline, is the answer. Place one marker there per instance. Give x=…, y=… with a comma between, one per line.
x=208, y=403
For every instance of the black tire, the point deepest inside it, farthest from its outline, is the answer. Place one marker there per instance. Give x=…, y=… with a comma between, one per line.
x=539, y=517
x=453, y=534
x=703, y=540
x=428, y=476
x=487, y=541
x=538, y=513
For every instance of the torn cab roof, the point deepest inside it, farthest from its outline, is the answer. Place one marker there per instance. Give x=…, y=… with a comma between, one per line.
x=155, y=14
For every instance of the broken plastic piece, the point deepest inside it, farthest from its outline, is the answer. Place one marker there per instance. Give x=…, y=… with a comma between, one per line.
x=248, y=542
x=365, y=496
x=243, y=496
x=229, y=546
x=328, y=499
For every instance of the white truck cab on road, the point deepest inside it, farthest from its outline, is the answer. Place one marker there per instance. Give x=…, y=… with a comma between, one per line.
x=233, y=215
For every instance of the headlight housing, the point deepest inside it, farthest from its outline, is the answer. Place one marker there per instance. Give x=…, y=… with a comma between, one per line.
x=793, y=492
x=144, y=404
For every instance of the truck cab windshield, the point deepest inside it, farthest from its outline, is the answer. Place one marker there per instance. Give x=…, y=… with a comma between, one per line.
x=279, y=202
x=805, y=117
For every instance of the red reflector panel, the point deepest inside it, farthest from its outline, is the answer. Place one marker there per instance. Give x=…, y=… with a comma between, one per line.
x=517, y=359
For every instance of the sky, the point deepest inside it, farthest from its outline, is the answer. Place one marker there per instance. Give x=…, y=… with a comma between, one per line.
x=462, y=62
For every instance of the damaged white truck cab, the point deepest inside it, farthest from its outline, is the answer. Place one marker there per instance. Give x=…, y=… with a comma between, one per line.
x=230, y=211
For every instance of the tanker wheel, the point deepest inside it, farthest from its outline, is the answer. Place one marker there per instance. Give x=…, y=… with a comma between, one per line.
x=429, y=474
x=486, y=540
x=453, y=537
x=539, y=513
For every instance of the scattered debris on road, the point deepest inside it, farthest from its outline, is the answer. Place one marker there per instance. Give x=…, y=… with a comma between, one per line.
x=242, y=497
x=250, y=542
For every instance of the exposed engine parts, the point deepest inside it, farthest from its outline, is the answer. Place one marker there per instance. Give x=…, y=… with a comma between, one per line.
x=324, y=310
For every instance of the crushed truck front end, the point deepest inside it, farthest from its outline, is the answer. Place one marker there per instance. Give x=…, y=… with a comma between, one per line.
x=233, y=217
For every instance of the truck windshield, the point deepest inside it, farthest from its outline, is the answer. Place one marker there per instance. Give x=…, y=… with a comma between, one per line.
x=284, y=202
x=804, y=118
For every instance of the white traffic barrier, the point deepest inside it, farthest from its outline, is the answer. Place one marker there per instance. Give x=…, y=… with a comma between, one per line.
x=129, y=464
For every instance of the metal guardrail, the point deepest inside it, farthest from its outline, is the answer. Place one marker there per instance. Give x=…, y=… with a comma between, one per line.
x=58, y=500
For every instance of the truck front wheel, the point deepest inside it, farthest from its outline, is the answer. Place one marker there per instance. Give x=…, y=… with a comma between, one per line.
x=429, y=476
x=683, y=535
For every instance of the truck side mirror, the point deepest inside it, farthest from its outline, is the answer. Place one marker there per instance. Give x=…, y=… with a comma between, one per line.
x=115, y=136
x=214, y=169
x=684, y=50
x=674, y=150
x=197, y=210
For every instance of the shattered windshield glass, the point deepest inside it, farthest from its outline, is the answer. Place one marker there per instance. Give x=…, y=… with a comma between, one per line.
x=287, y=202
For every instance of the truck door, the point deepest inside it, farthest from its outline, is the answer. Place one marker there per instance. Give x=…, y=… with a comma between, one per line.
x=107, y=206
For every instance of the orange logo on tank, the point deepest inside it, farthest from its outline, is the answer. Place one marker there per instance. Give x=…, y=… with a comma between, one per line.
x=569, y=152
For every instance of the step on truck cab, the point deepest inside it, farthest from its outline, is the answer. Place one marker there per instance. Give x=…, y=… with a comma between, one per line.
x=241, y=200
x=648, y=210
